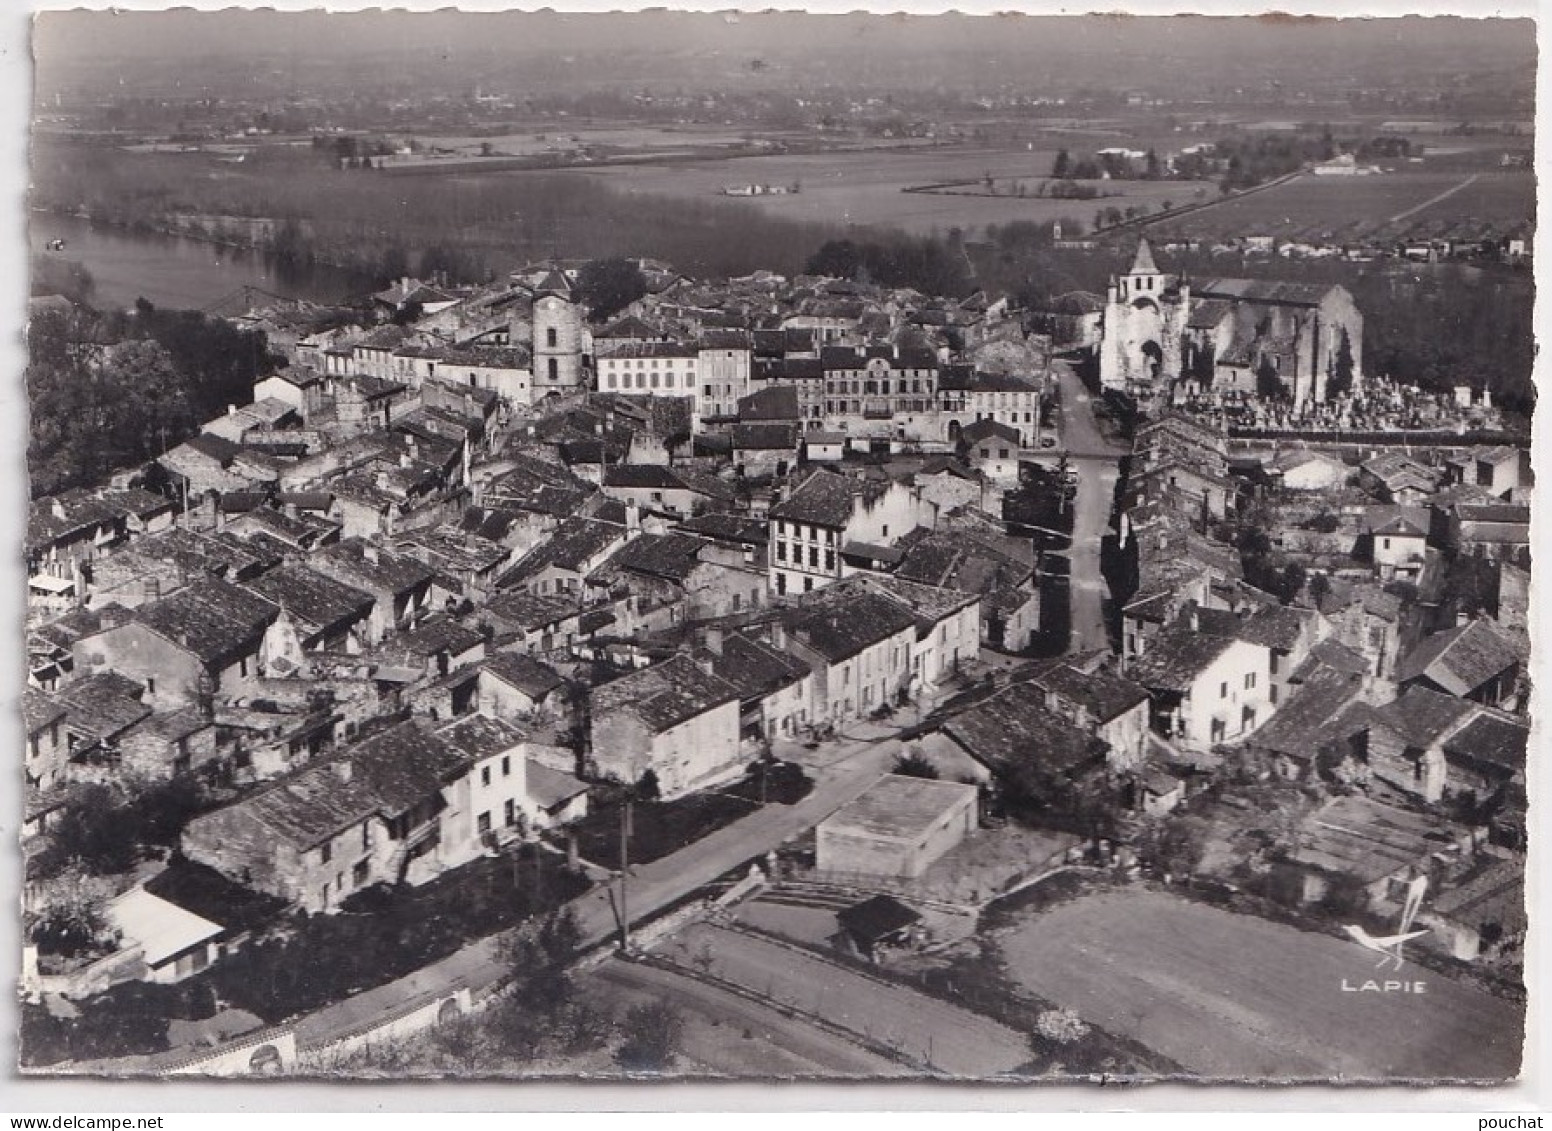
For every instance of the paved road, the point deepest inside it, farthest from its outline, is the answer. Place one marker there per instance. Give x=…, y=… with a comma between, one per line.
x=1095, y=459
x=786, y=1046
x=951, y=1039
x=1233, y=996
x=841, y=772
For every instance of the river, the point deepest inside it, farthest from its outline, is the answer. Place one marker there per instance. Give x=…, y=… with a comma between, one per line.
x=177, y=272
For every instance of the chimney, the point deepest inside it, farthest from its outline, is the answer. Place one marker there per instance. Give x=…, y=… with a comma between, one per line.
x=343, y=769
x=231, y=410
x=714, y=641
x=632, y=515
x=778, y=636
x=369, y=552
x=57, y=509
x=1195, y=620
x=405, y=460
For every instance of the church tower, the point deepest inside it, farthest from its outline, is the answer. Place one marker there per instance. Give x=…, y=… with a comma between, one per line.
x=557, y=338
x=1145, y=318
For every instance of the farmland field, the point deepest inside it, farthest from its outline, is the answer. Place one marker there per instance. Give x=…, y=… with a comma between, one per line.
x=1388, y=205
x=1229, y=995
x=865, y=188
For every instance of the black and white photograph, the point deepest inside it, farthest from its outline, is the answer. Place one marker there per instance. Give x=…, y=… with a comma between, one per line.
x=777, y=546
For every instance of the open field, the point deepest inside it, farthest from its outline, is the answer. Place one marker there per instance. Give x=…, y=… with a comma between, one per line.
x=1229, y=995
x=1387, y=205
x=866, y=188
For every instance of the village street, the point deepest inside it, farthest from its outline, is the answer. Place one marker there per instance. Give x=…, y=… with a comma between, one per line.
x=841, y=771
x=1095, y=460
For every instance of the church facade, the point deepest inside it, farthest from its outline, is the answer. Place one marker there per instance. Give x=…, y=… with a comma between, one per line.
x=1163, y=335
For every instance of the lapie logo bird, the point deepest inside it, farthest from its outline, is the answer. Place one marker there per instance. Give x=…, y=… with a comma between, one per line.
x=1389, y=946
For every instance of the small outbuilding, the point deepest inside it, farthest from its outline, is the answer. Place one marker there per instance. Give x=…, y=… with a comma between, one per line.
x=899, y=827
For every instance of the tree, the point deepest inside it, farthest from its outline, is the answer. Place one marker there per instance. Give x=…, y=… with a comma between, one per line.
x=1340, y=383
x=647, y=786
x=914, y=764
x=655, y=1030
x=1269, y=385
x=1062, y=167
x=72, y=921
x=608, y=286
x=97, y=829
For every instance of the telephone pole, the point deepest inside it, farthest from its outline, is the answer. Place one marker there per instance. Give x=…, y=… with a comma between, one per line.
x=625, y=829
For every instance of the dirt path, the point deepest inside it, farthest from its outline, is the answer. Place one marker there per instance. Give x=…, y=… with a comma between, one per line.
x=1432, y=200
x=730, y=1034
x=927, y=1030
x=1231, y=995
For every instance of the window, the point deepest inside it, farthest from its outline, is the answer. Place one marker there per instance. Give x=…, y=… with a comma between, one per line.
x=483, y=824
x=484, y=775
x=551, y=338
x=1223, y=690
x=1387, y=543
x=808, y=585
x=509, y=813
x=781, y=551
x=506, y=765
x=886, y=530
x=366, y=836
x=1250, y=681
x=358, y=874
x=829, y=559
x=150, y=685
x=1002, y=453
x=554, y=369
x=326, y=853
x=813, y=556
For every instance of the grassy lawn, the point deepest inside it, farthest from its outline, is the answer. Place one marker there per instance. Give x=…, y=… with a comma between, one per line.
x=658, y=828
x=1231, y=996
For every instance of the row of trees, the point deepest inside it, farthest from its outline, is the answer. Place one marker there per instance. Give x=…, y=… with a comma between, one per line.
x=112, y=391
x=925, y=263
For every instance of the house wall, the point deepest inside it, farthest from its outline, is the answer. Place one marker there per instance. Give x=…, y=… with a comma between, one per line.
x=1398, y=553
x=953, y=641
x=46, y=754
x=1420, y=773
x=1017, y=630
x=716, y=590
x=172, y=676
x=495, y=791
x=840, y=848
x=1126, y=733
x=692, y=755
x=1221, y=692
x=147, y=756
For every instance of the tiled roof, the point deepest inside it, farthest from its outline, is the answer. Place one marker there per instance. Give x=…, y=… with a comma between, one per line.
x=572, y=544
x=841, y=620
x=1420, y=716
x=1488, y=738
x=773, y=436
x=673, y=556
x=1462, y=659
x=664, y=695
x=102, y=705
x=525, y=673
x=389, y=572
x=756, y=668
x=826, y=498
x=1013, y=730
x=1176, y=657
x=1106, y=695
x=211, y=619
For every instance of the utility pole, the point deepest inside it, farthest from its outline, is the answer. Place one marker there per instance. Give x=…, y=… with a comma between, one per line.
x=625, y=828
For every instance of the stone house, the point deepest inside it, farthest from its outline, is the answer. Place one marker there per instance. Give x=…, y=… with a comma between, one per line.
x=673, y=718
x=203, y=641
